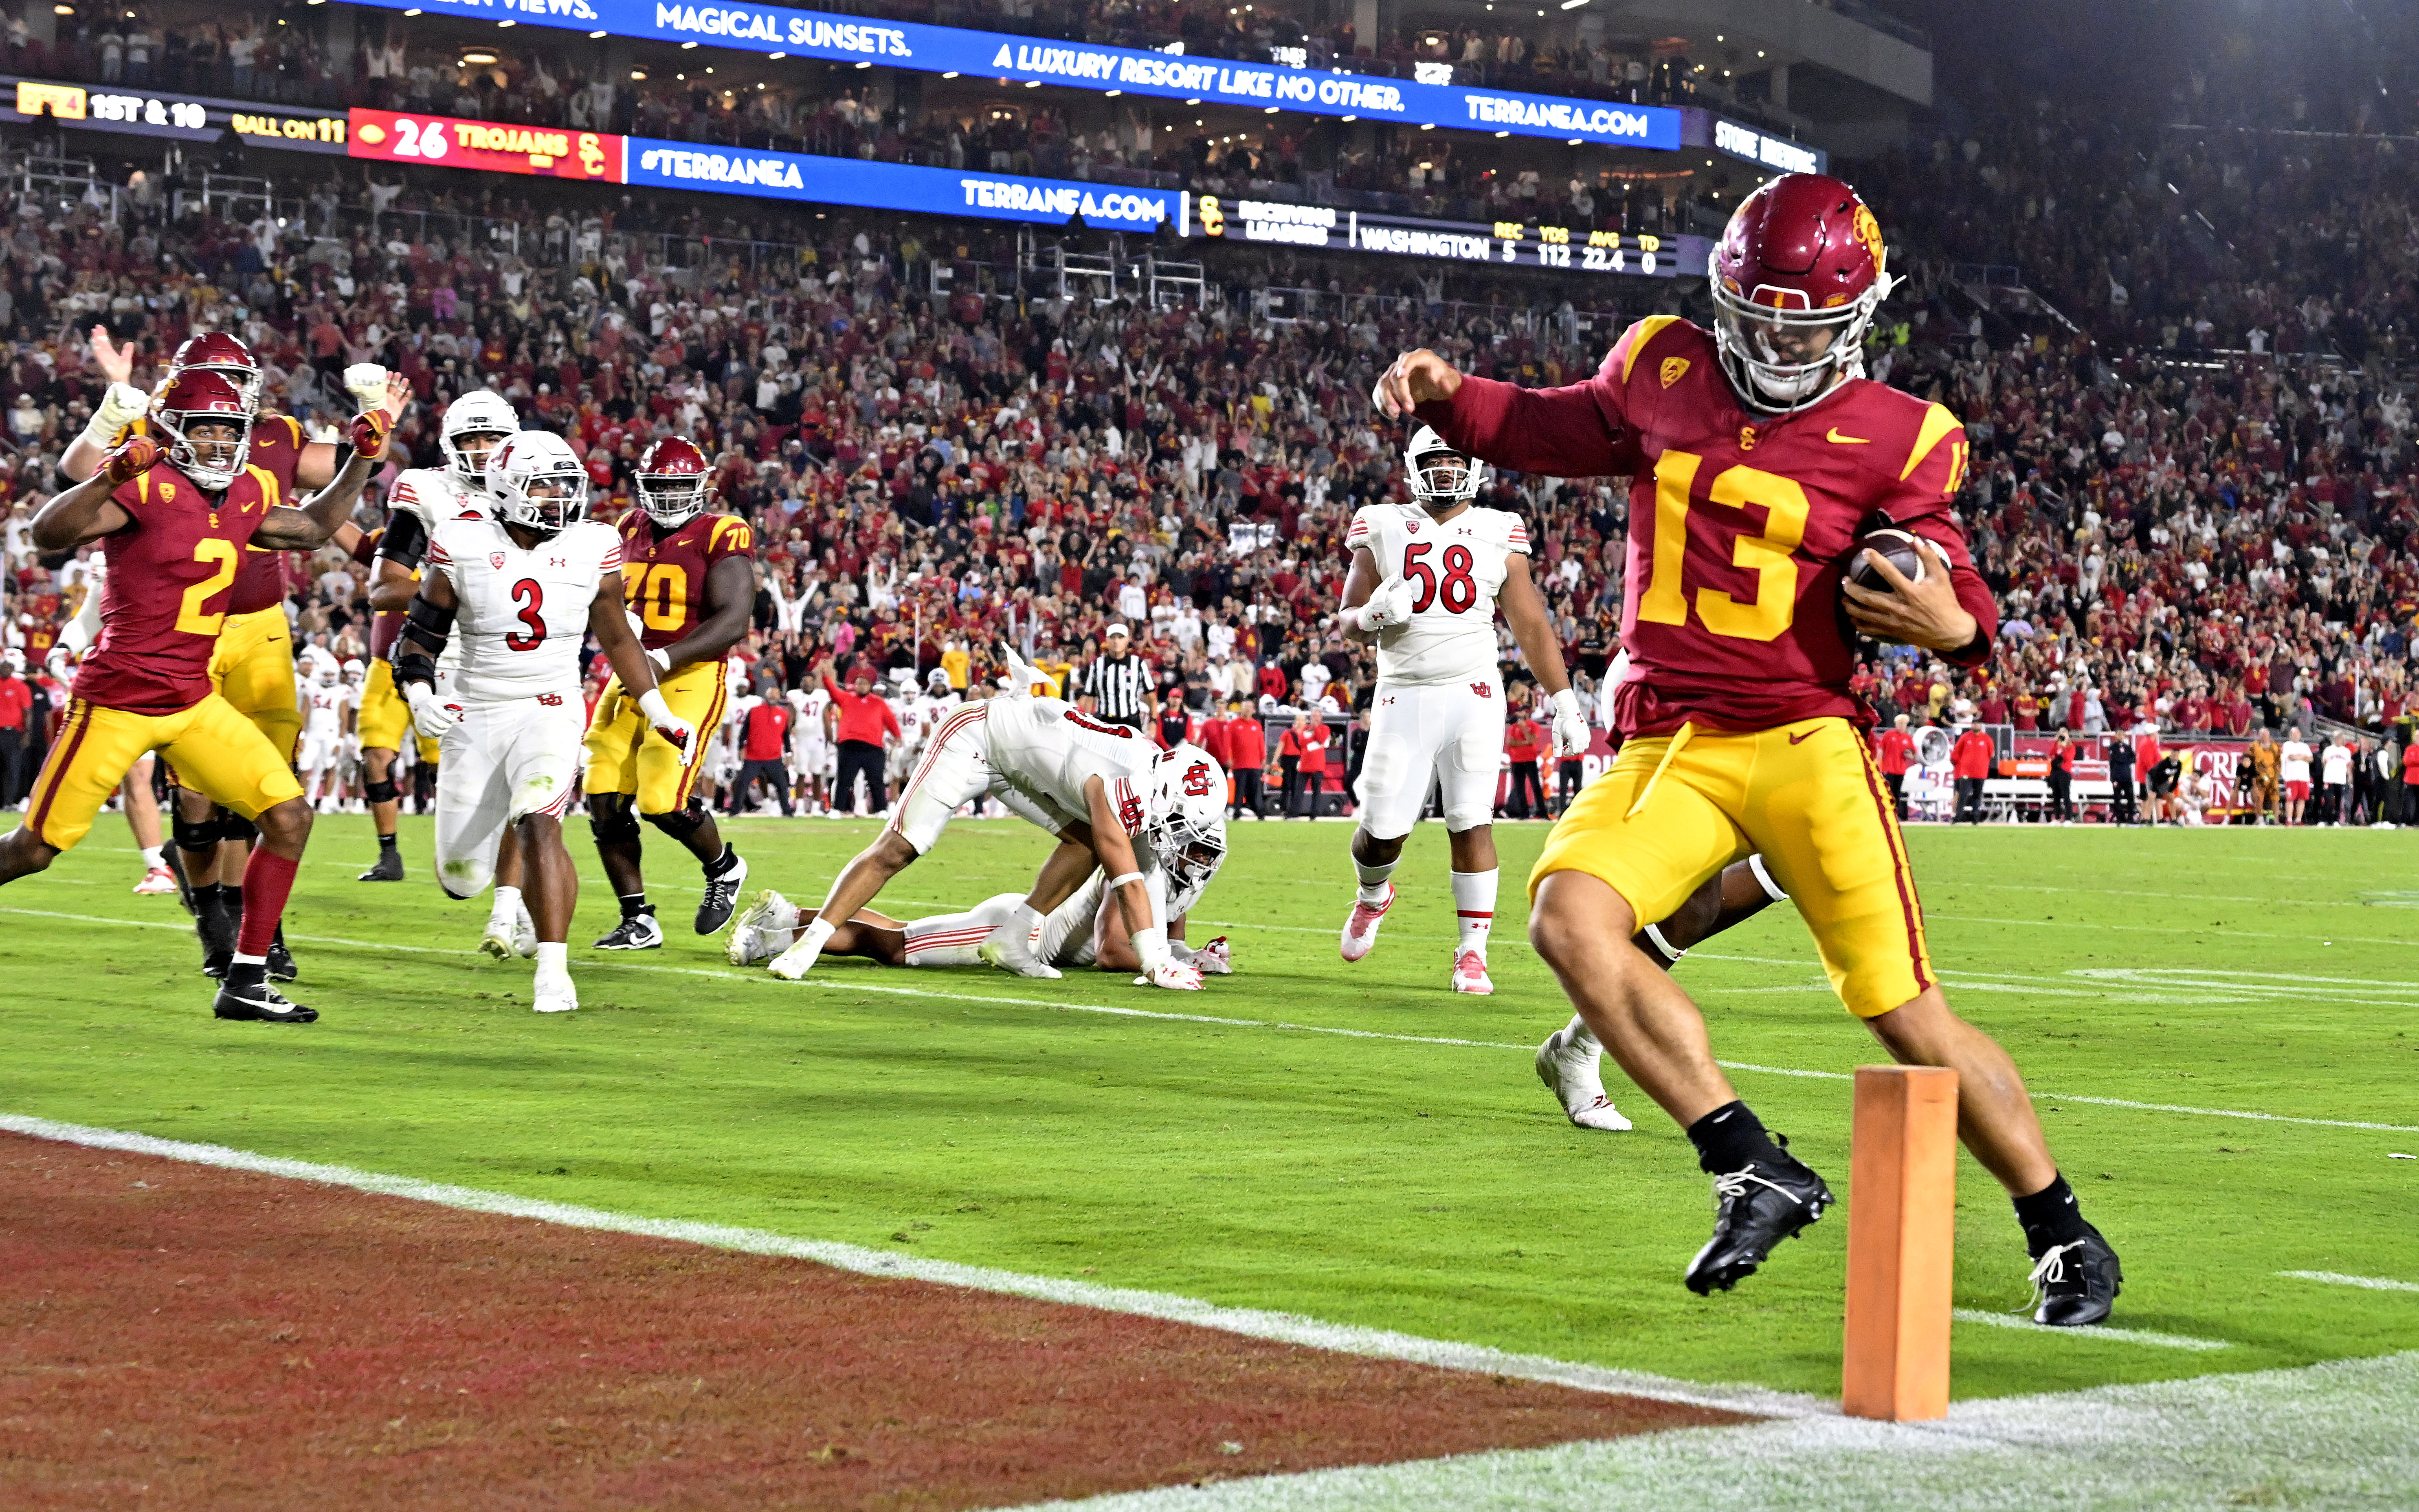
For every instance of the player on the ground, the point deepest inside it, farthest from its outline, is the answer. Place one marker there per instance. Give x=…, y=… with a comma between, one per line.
x=179, y=521
x=521, y=589
x=692, y=584
x=1098, y=787
x=1427, y=578
x=1759, y=455
x=473, y=425
x=329, y=707
x=253, y=665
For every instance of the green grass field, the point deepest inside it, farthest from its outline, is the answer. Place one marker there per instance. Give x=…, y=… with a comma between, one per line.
x=1431, y=1188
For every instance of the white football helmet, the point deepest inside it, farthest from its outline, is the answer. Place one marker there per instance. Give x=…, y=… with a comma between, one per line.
x=1187, y=827
x=324, y=673
x=355, y=670
x=479, y=412
x=1440, y=477
x=536, y=482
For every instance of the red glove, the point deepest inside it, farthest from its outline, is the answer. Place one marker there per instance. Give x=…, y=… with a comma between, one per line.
x=369, y=433
x=134, y=456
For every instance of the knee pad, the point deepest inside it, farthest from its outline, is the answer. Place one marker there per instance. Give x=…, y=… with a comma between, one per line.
x=681, y=823
x=610, y=821
x=193, y=834
x=383, y=792
x=236, y=826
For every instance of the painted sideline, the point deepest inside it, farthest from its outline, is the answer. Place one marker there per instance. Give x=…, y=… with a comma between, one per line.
x=1288, y=1328
x=2336, y=1278
x=1114, y=1011
x=2099, y=1335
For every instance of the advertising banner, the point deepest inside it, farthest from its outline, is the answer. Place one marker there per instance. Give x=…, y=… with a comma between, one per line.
x=445, y=142
x=892, y=186
x=1502, y=243
x=778, y=31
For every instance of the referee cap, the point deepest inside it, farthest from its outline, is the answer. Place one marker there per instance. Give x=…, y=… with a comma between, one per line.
x=1121, y=629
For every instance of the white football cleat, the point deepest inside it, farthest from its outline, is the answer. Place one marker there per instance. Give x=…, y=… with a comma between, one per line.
x=794, y=962
x=1360, y=926
x=554, y=994
x=1008, y=952
x=766, y=927
x=525, y=935
x=157, y=880
x=1570, y=1063
x=1469, y=974
x=498, y=943
x=1215, y=959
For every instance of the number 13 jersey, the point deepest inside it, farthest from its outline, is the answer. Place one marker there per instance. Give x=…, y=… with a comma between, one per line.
x=1456, y=569
x=522, y=614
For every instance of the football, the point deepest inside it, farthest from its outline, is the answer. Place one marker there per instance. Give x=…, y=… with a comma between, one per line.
x=1894, y=545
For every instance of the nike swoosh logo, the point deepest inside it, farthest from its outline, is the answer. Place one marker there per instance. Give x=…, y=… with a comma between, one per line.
x=1837, y=439
x=1808, y=735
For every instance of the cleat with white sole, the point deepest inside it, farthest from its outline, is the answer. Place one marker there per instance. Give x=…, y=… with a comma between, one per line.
x=764, y=929
x=1215, y=959
x=524, y=933
x=497, y=943
x=554, y=994
x=794, y=962
x=1360, y=926
x=1469, y=974
x=155, y=882
x=1570, y=1063
x=1011, y=954
x=721, y=895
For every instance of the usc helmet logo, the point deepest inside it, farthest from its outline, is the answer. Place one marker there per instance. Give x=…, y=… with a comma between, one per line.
x=1869, y=231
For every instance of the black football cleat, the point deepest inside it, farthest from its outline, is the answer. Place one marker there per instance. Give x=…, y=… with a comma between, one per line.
x=2075, y=1284
x=389, y=869
x=721, y=896
x=281, y=960
x=1758, y=1209
x=640, y=931
x=260, y=1003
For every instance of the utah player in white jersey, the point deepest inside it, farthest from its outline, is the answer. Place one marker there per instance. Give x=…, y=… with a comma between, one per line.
x=1426, y=579
x=521, y=589
x=1096, y=786
x=326, y=719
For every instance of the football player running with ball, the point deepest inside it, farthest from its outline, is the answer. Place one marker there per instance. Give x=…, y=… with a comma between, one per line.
x=691, y=583
x=178, y=521
x=522, y=590
x=1760, y=454
x=1426, y=579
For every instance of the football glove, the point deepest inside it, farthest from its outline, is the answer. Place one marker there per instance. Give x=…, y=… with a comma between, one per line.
x=1215, y=959
x=430, y=716
x=121, y=405
x=137, y=455
x=368, y=432
x=1389, y=606
x=366, y=383
x=667, y=724
x=1572, y=735
x=57, y=666
x=1172, y=974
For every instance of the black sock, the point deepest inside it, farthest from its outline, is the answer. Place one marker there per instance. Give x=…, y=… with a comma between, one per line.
x=231, y=898
x=386, y=842
x=720, y=866
x=2051, y=1217
x=247, y=973
x=635, y=904
x=1730, y=1139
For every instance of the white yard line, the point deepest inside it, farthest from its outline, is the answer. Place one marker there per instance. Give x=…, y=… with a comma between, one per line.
x=761, y=980
x=2091, y=1336
x=1284, y=1327
x=2366, y=1283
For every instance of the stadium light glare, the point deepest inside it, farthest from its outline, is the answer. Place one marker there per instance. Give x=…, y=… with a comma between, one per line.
x=1502, y=133
x=638, y=75
x=70, y=11
x=864, y=64
x=1270, y=111
x=593, y=36
x=1114, y=93
x=952, y=74
x=777, y=57
x=1573, y=5
x=508, y=23
x=686, y=46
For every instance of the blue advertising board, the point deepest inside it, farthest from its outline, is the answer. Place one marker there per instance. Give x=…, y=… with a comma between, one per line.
x=892, y=186
x=778, y=31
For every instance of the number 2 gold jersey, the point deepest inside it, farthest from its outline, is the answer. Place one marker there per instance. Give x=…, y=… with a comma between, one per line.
x=663, y=572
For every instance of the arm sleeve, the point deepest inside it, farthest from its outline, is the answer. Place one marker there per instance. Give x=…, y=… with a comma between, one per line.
x=1921, y=503
x=1579, y=430
x=404, y=540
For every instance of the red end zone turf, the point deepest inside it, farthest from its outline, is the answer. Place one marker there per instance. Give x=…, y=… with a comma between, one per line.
x=182, y=1336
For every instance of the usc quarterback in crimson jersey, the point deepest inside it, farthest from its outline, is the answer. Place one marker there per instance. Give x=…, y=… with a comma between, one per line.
x=1759, y=455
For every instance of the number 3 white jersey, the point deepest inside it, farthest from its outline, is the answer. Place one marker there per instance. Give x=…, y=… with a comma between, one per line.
x=1455, y=570
x=522, y=614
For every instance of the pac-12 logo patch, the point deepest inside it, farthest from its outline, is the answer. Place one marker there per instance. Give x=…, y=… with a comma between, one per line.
x=1675, y=369
x=496, y=560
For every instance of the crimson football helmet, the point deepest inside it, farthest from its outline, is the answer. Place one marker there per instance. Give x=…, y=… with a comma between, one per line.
x=200, y=397
x=215, y=351
x=1796, y=280
x=672, y=481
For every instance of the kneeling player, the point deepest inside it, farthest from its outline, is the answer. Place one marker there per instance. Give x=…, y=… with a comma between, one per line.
x=522, y=588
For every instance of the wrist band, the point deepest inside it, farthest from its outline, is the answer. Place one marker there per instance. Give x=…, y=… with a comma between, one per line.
x=1115, y=883
x=1771, y=888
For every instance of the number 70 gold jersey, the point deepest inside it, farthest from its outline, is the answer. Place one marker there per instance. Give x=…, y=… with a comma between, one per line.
x=1740, y=523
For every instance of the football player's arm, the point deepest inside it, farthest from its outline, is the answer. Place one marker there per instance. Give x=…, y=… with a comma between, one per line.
x=1358, y=583
x=1951, y=614
x=1524, y=610
x=1566, y=432
x=729, y=598
x=611, y=627
x=1115, y=852
x=395, y=570
x=310, y=525
x=121, y=405
x=317, y=463
x=85, y=511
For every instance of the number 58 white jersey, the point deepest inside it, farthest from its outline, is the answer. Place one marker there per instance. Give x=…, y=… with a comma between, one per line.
x=522, y=614
x=1456, y=569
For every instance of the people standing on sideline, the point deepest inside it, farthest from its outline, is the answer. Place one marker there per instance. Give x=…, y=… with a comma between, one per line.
x=2120, y=780
x=1522, y=741
x=1302, y=754
x=1970, y=760
x=2061, y=780
x=1247, y=759
x=868, y=726
x=1894, y=751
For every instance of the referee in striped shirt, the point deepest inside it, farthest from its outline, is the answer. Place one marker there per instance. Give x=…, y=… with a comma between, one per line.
x=1118, y=683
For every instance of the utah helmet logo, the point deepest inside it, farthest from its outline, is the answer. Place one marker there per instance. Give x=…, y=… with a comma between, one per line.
x=496, y=560
x=1196, y=780
x=1675, y=369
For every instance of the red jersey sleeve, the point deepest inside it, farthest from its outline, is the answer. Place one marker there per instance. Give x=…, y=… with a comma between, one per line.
x=1579, y=430
x=729, y=537
x=1923, y=503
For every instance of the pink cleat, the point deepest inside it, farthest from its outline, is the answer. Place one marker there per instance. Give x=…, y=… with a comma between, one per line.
x=1360, y=930
x=1469, y=974
x=156, y=881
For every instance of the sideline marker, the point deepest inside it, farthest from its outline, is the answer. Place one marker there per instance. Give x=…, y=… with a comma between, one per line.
x=1901, y=1244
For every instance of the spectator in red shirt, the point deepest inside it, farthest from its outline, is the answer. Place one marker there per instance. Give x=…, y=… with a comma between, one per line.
x=2410, y=782
x=1894, y=749
x=1301, y=755
x=1272, y=681
x=1520, y=743
x=867, y=724
x=16, y=702
x=764, y=739
x=1970, y=759
x=1247, y=759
